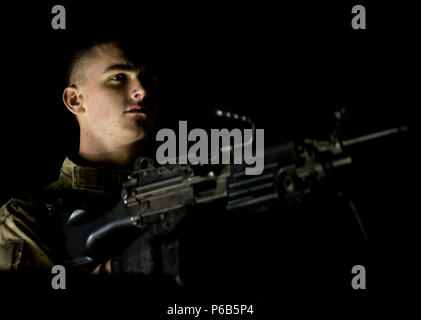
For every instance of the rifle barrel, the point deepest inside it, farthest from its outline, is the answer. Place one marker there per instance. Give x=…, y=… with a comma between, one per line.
x=373, y=136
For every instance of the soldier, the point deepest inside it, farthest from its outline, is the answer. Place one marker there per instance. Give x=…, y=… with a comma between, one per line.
x=112, y=98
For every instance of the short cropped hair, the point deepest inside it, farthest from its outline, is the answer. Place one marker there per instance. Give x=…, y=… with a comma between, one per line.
x=81, y=58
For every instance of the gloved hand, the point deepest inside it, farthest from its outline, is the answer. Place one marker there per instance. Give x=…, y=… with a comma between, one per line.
x=91, y=238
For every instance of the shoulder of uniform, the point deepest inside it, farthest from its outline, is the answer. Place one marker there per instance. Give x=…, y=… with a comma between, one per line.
x=5, y=211
x=20, y=207
x=21, y=240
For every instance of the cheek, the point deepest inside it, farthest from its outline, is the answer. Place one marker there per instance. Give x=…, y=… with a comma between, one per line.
x=104, y=104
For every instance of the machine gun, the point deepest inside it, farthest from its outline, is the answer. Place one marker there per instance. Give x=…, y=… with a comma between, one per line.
x=154, y=193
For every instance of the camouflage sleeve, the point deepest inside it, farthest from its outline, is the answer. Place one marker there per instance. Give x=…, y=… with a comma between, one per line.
x=20, y=245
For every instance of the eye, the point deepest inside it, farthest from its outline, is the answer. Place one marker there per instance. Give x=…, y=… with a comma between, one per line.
x=121, y=77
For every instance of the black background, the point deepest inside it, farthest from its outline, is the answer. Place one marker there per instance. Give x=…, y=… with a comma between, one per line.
x=289, y=66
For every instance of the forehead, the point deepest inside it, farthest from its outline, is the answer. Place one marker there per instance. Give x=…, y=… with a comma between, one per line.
x=104, y=56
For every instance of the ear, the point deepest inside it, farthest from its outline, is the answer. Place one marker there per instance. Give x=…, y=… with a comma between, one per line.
x=73, y=100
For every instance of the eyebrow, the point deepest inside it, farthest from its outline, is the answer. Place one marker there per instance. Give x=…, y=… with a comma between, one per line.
x=120, y=66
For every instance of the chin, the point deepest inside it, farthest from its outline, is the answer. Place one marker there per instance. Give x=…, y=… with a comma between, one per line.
x=138, y=135
x=138, y=131
x=144, y=124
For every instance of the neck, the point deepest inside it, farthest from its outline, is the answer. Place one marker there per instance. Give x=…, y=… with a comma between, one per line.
x=120, y=155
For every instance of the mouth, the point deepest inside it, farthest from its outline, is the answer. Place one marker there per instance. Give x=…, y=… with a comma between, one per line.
x=138, y=109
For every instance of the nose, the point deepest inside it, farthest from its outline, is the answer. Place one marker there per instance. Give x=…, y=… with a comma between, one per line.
x=137, y=91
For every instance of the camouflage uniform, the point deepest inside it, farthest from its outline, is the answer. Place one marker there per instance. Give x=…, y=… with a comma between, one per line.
x=27, y=232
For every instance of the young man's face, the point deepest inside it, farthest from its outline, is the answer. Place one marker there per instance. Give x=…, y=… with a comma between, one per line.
x=114, y=99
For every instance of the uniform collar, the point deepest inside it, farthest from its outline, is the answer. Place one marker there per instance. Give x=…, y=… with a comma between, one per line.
x=83, y=177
